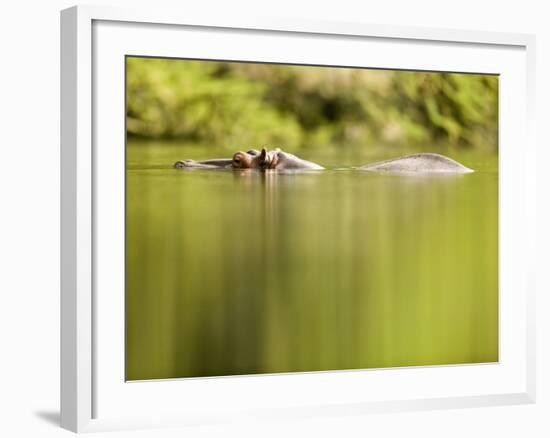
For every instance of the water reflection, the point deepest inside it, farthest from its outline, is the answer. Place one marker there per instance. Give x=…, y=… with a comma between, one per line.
x=250, y=272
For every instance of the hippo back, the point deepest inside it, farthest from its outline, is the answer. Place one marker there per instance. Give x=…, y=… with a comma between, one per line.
x=418, y=163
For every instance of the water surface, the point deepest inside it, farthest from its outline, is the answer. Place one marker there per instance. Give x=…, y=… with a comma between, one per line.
x=243, y=272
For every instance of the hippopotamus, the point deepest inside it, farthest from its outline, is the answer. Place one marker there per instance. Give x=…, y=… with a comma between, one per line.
x=241, y=160
x=422, y=163
x=418, y=163
x=252, y=159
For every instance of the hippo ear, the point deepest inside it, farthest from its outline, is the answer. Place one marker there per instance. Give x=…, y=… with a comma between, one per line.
x=263, y=154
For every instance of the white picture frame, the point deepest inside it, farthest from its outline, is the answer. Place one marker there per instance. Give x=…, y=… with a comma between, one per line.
x=93, y=39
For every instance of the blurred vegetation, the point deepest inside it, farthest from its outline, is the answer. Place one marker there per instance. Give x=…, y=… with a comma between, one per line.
x=232, y=104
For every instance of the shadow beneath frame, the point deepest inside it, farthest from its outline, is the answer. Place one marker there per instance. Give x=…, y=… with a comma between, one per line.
x=51, y=417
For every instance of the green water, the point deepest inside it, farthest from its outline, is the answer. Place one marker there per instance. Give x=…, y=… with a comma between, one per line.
x=242, y=272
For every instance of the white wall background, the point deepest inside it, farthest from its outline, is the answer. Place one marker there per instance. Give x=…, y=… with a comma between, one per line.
x=29, y=214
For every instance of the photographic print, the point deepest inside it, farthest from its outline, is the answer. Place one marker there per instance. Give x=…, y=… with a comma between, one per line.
x=297, y=218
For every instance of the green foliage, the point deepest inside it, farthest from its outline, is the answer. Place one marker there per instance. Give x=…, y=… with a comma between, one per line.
x=201, y=101
x=240, y=104
x=456, y=108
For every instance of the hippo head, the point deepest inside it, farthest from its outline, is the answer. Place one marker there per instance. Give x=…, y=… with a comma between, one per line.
x=252, y=159
x=246, y=160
